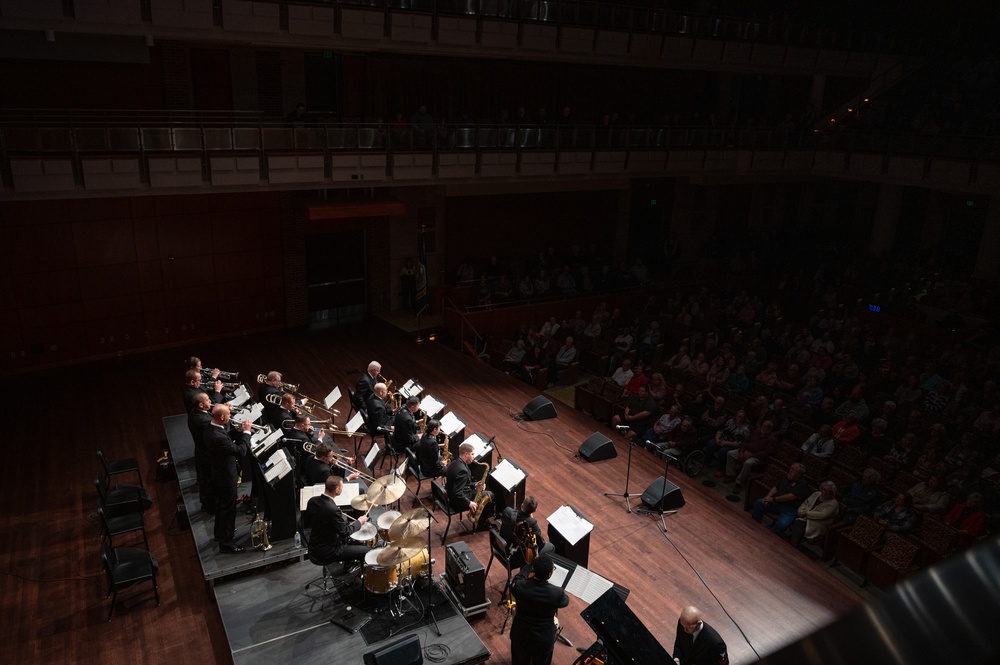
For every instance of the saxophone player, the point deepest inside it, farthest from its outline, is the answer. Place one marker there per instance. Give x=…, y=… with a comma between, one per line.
x=459, y=483
x=429, y=451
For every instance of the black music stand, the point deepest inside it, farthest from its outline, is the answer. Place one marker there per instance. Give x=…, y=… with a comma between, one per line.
x=628, y=477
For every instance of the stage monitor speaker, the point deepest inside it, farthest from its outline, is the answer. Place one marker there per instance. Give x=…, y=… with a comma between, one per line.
x=597, y=447
x=401, y=652
x=539, y=408
x=662, y=495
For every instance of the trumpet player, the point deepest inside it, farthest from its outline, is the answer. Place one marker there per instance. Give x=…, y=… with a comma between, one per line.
x=193, y=385
x=323, y=464
x=429, y=451
x=227, y=450
x=198, y=420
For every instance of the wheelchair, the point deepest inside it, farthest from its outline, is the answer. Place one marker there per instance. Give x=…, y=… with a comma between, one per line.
x=690, y=463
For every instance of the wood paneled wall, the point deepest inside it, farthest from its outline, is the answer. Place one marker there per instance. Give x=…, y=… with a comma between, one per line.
x=100, y=277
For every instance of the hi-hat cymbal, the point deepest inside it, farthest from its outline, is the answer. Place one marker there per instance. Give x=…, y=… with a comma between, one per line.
x=360, y=502
x=385, y=490
x=409, y=524
x=403, y=550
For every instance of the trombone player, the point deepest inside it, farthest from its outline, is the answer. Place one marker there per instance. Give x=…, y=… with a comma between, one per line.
x=323, y=464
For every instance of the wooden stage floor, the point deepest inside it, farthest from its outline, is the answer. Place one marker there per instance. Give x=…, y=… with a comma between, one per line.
x=53, y=590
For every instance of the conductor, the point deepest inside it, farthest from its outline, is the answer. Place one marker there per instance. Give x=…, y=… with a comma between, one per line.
x=697, y=643
x=533, y=633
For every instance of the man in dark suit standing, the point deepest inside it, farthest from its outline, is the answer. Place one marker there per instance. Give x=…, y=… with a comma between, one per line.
x=331, y=529
x=198, y=420
x=533, y=633
x=697, y=643
x=226, y=453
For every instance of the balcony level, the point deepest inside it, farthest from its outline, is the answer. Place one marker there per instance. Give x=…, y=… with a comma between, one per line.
x=118, y=154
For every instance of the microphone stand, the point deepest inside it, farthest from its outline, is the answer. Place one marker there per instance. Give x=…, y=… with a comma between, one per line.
x=643, y=510
x=628, y=473
x=495, y=446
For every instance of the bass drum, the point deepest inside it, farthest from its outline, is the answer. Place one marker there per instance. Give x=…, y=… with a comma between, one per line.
x=409, y=571
x=378, y=579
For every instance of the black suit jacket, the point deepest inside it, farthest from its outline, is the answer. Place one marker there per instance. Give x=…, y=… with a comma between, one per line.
x=460, y=485
x=317, y=471
x=270, y=410
x=330, y=527
x=429, y=455
x=537, y=602
x=709, y=649
x=365, y=387
x=197, y=422
x=405, y=433
x=225, y=453
x=379, y=414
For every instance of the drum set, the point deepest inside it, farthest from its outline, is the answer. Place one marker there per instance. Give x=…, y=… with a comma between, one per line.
x=399, y=556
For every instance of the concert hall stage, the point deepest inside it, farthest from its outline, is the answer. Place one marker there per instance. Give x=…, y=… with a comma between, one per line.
x=270, y=616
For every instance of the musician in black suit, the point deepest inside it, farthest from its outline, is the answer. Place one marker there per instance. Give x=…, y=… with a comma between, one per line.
x=287, y=411
x=302, y=432
x=272, y=386
x=379, y=414
x=697, y=643
x=323, y=464
x=429, y=451
x=533, y=633
x=331, y=529
x=365, y=386
x=460, y=485
x=193, y=386
x=510, y=518
x=198, y=420
x=405, y=431
x=226, y=451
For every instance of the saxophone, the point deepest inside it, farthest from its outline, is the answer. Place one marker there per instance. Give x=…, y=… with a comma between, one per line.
x=446, y=453
x=526, y=540
x=482, y=498
x=259, y=533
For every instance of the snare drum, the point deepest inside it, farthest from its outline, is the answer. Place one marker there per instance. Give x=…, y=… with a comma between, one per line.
x=385, y=521
x=412, y=569
x=378, y=579
x=367, y=535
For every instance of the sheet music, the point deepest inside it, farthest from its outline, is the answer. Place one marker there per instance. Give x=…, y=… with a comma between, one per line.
x=570, y=525
x=558, y=577
x=372, y=456
x=508, y=475
x=259, y=434
x=268, y=441
x=252, y=415
x=411, y=387
x=350, y=491
x=239, y=397
x=309, y=492
x=277, y=466
x=332, y=398
x=354, y=424
x=431, y=405
x=480, y=446
x=586, y=585
x=451, y=423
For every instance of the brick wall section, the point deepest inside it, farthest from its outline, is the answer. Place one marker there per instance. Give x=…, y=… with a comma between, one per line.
x=381, y=280
x=175, y=59
x=269, y=83
x=293, y=259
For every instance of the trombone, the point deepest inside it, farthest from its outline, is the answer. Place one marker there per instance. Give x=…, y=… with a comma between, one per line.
x=287, y=387
x=310, y=448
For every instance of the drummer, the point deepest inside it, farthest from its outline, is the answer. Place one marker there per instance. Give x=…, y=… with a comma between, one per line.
x=331, y=529
x=324, y=463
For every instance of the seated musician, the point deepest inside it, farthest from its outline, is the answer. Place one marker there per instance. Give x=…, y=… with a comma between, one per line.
x=323, y=464
x=303, y=432
x=366, y=383
x=287, y=411
x=510, y=518
x=379, y=414
x=272, y=386
x=462, y=487
x=331, y=529
x=429, y=451
x=405, y=431
x=193, y=386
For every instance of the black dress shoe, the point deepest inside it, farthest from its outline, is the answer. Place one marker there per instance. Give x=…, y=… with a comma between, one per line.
x=232, y=549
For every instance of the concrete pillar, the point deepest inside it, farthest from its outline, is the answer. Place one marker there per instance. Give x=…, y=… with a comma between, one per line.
x=988, y=260
x=886, y=218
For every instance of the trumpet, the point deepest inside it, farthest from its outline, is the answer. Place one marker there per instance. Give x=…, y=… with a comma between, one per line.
x=209, y=386
x=287, y=387
x=223, y=376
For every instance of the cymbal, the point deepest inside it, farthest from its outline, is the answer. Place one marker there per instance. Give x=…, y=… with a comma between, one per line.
x=385, y=490
x=400, y=551
x=410, y=524
x=360, y=502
